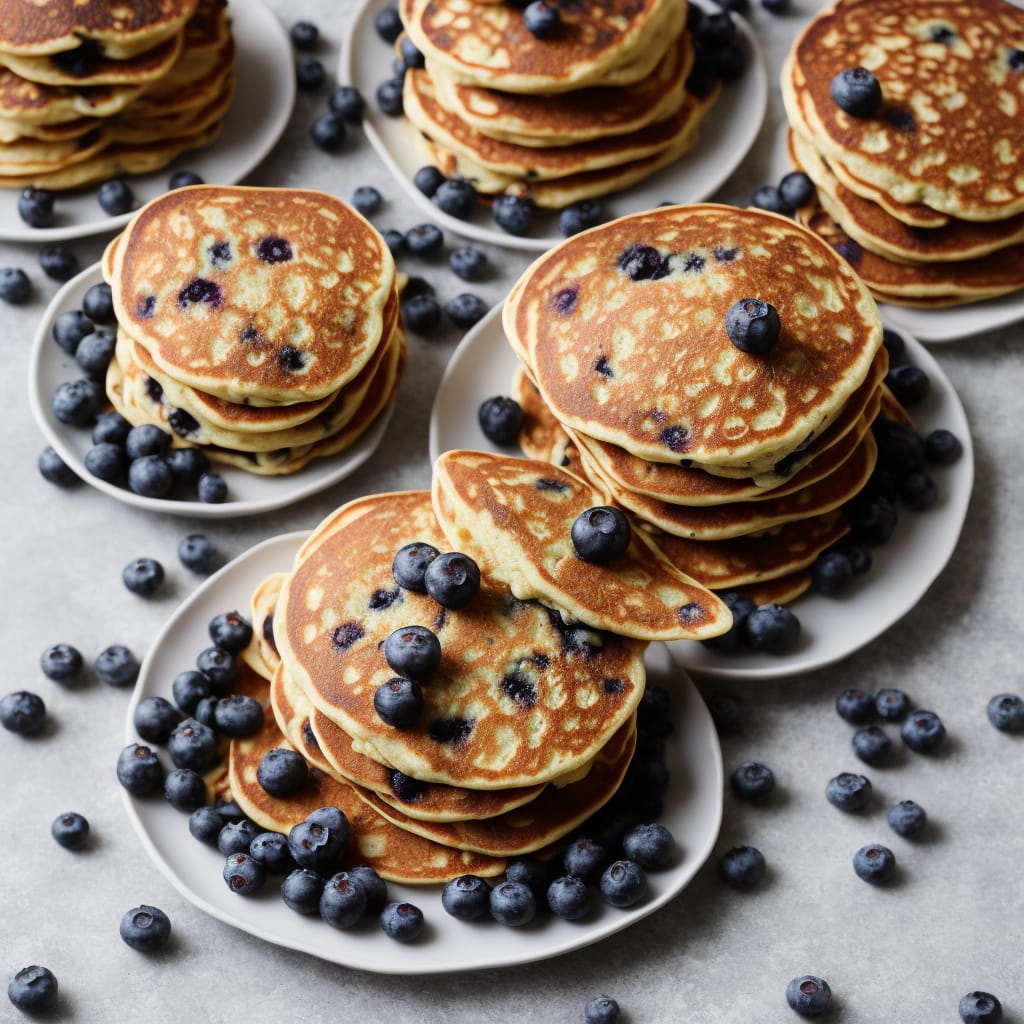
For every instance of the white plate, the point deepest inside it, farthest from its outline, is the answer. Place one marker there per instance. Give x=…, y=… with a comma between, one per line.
x=259, y=112
x=248, y=493
x=725, y=137
x=831, y=628
x=693, y=814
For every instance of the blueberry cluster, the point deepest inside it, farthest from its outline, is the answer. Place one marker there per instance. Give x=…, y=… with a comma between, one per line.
x=794, y=191
x=718, y=52
x=767, y=628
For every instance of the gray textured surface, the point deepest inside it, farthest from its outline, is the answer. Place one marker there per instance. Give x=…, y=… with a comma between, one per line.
x=952, y=922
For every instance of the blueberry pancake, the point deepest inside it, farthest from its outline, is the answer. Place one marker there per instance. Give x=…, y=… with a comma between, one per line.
x=541, y=435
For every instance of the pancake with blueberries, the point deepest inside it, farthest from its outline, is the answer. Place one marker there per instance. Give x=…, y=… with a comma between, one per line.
x=266, y=296
x=520, y=697
x=623, y=329
x=515, y=517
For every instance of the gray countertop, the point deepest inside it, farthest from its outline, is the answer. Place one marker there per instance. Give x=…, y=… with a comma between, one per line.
x=953, y=920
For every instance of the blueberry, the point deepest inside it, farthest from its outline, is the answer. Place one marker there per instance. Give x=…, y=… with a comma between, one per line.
x=807, y=995
x=753, y=326
x=398, y=702
x=197, y=553
x=310, y=73
x=452, y=579
x=388, y=24
x=347, y=102
x=623, y=883
x=35, y=207
x=752, y=781
x=416, y=286
x=859, y=558
x=584, y=858
x=317, y=845
x=115, y=197
x=187, y=465
x=192, y=745
x=367, y=200
x=389, y=97
x=412, y=651
x=143, y=576
x=872, y=745
x=428, y=179
x=895, y=345
x=907, y=818
x=155, y=718
x=15, y=287
x=425, y=241
x=942, y=447
x=736, y=636
x=465, y=310
x=328, y=132
x=184, y=790
x=230, y=630
x=456, y=197
x=580, y=216
x=856, y=91
x=500, y=419
x=768, y=197
x=742, y=867
x=923, y=732
x=62, y=663
x=182, y=179
x=244, y=874
x=76, y=402
x=725, y=713
x=94, y=352
x=410, y=565
x=468, y=263
x=204, y=711
x=238, y=716
x=139, y=770
x=512, y=214
x=874, y=863
x=301, y=891
x=831, y=571
x=855, y=706
x=910, y=384
x=402, y=921
x=70, y=830
x=600, y=534
x=872, y=518
x=33, y=989
x=1006, y=712
x=282, y=772
x=652, y=846
x=304, y=35
x=271, y=850
x=531, y=872
x=218, y=665
x=466, y=897
x=730, y=62
x=189, y=688
x=772, y=628
x=568, y=897
x=69, y=328
x=204, y=824
x=891, y=704
x=422, y=314
x=601, y=1010
x=111, y=428
x=848, y=791
x=58, y=262
x=343, y=901
x=116, y=665
x=541, y=19
x=980, y=1007
x=512, y=904
x=236, y=836
x=146, y=439
x=212, y=489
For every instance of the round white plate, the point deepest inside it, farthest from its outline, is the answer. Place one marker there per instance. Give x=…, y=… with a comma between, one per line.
x=831, y=628
x=259, y=112
x=693, y=814
x=248, y=493
x=725, y=137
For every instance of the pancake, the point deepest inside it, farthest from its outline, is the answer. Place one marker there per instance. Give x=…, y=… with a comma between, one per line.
x=779, y=590
x=23, y=102
x=541, y=436
x=519, y=698
x=190, y=285
x=514, y=516
x=647, y=364
x=948, y=132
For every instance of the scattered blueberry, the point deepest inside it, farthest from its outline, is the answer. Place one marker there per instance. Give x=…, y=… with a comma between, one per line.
x=468, y=263
x=410, y=565
x=282, y=772
x=872, y=745
x=455, y=196
x=402, y=921
x=367, y=200
x=301, y=891
x=753, y=326
x=189, y=688
x=244, y=874
x=980, y=1008
x=466, y=897
x=116, y=665
x=389, y=97
x=942, y=447
x=910, y=384
x=600, y=534
x=139, y=770
x=33, y=989
x=541, y=19
x=725, y=713
x=652, y=846
x=736, y=636
x=465, y=310
x=212, y=488
x=219, y=665
x=58, y=262
x=150, y=477
x=425, y=241
x=642, y=262
x=115, y=197
x=328, y=132
x=742, y=867
x=143, y=576
x=875, y=863
x=230, y=630
x=907, y=818
x=69, y=328
x=512, y=213
x=70, y=830
x=512, y=904
x=196, y=551
x=343, y=901
x=772, y=628
x=872, y=517
x=15, y=287
x=146, y=439
x=923, y=732
x=452, y=579
x=35, y=207
x=1006, y=712
x=184, y=790
x=752, y=781
x=76, y=402
x=807, y=995
x=796, y=190
x=388, y=24
x=310, y=73
x=855, y=706
x=398, y=702
x=304, y=35
x=412, y=651
x=428, y=179
x=587, y=213
x=623, y=883
x=848, y=791
x=856, y=91
x=768, y=197
x=421, y=313
x=891, y=704
x=62, y=663
x=347, y=102
x=601, y=1010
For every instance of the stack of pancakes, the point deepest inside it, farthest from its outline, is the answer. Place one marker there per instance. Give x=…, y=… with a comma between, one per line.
x=93, y=90
x=260, y=324
x=925, y=198
x=529, y=723
x=599, y=105
x=736, y=465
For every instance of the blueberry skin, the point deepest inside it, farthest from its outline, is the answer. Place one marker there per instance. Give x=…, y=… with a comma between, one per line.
x=187, y=465
x=584, y=858
x=58, y=262
x=244, y=874
x=466, y=897
x=62, y=663
x=230, y=631
x=872, y=519
x=304, y=35
x=367, y=200
x=35, y=207
x=70, y=830
x=831, y=572
x=855, y=706
x=328, y=132
x=512, y=904
x=923, y=732
x=452, y=579
x=428, y=179
x=204, y=824
x=238, y=716
x=872, y=745
x=70, y=328
x=1006, y=712
x=623, y=883
x=848, y=791
x=146, y=439
x=422, y=314
x=182, y=179
x=139, y=770
x=389, y=97
x=650, y=845
x=468, y=263
x=410, y=565
x=150, y=477
x=736, y=636
x=116, y=665
x=568, y=897
x=218, y=665
x=742, y=867
x=532, y=872
x=456, y=197
x=425, y=241
x=465, y=310
x=197, y=553
x=600, y=534
x=601, y=1010
x=412, y=651
x=874, y=864
x=155, y=718
x=512, y=214
x=587, y=213
x=271, y=850
x=33, y=989
x=910, y=384
x=907, y=818
x=184, y=790
x=808, y=995
x=282, y=772
x=980, y=1008
x=753, y=326
x=500, y=419
x=310, y=73
x=212, y=489
x=856, y=91
x=143, y=576
x=942, y=447
x=343, y=901
x=387, y=23
x=796, y=189
x=98, y=304
x=236, y=837
x=115, y=197
x=314, y=846
x=398, y=702
x=347, y=102
x=106, y=461
x=402, y=922
x=772, y=628
x=768, y=197
x=334, y=819
x=541, y=19
x=752, y=781
x=76, y=402
x=15, y=286
x=192, y=745
x=301, y=891
x=189, y=688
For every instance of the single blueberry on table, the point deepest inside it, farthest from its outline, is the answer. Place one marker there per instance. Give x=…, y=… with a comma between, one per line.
x=753, y=326
x=301, y=891
x=724, y=709
x=343, y=901
x=568, y=897
x=282, y=772
x=244, y=874
x=398, y=702
x=328, y=132
x=115, y=197
x=923, y=732
x=541, y=19
x=196, y=551
x=623, y=883
x=421, y=313
x=387, y=23
x=456, y=197
x=402, y=921
x=424, y=240
x=367, y=200
x=54, y=469
x=512, y=213
x=117, y=665
x=410, y=565
x=15, y=286
x=143, y=576
x=304, y=35
x=139, y=769
x=600, y=534
x=874, y=863
x=412, y=651
x=466, y=897
x=855, y=706
x=512, y=904
x=184, y=790
x=35, y=207
x=848, y=791
x=872, y=745
x=601, y=1010
x=33, y=989
x=468, y=263
x=58, y=262
x=857, y=92
x=452, y=579
x=752, y=781
x=500, y=419
x=347, y=102
x=907, y=818
x=1006, y=712
x=70, y=830
x=310, y=73
x=980, y=1008
x=772, y=628
x=742, y=867
x=62, y=663
x=465, y=310
x=808, y=996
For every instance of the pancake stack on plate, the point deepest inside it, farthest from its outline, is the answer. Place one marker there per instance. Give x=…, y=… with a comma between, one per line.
x=90, y=91
x=259, y=324
x=598, y=105
x=529, y=722
x=735, y=464
x=924, y=196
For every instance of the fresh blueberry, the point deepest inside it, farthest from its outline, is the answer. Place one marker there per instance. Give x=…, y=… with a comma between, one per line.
x=236, y=836
x=212, y=489
x=428, y=179
x=184, y=790
x=465, y=310
x=304, y=35
x=848, y=791
x=204, y=711
x=146, y=439
x=425, y=241
x=196, y=552
x=411, y=56
x=387, y=23
x=895, y=345
x=623, y=883
x=1006, y=712
x=831, y=572
x=891, y=704
x=456, y=197
x=398, y=702
x=753, y=326
x=651, y=845
x=328, y=132
x=317, y=845
x=568, y=897
x=532, y=872
x=584, y=858
x=143, y=576
x=768, y=197
x=116, y=665
x=512, y=904
x=402, y=921
x=301, y=891
x=980, y=1008
x=139, y=770
x=219, y=665
x=69, y=328
x=910, y=384
x=182, y=179
x=76, y=402
x=907, y=818
x=855, y=706
x=343, y=901
x=367, y=200
x=872, y=744
x=58, y=262
x=155, y=718
x=923, y=732
x=918, y=490
x=468, y=263
x=422, y=314
x=512, y=214
x=500, y=419
x=796, y=190
x=15, y=287
x=347, y=102
x=205, y=823
x=942, y=447
x=70, y=830
x=94, y=352
x=238, y=716
x=752, y=781
x=541, y=19
x=33, y=989
x=742, y=867
x=587, y=213
x=54, y=469
x=62, y=663
x=874, y=863
x=452, y=579
x=189, y=688
x=115, y=197
x=772, y=628
x=412, y=651
x=389, y=97
x=187, y=465
x=282, y=772
x=111, y=428
x=735, y=637
x=98, y=304
x=192, y=745
x=410, y=565
x=35, y=207
x=416, y=286
x=310, y=73
x=601, y=1010
x=872, y=517
x=375, y=887
x=230, y=630
x=600, y=534
x=807, y=995
x=271, y=850
x=244, y=874
x=856, y=91
x=466, y=897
